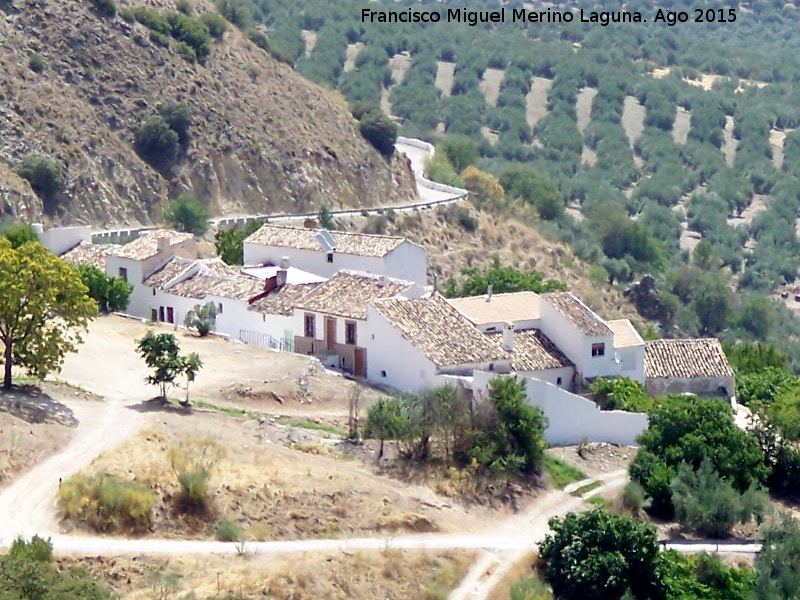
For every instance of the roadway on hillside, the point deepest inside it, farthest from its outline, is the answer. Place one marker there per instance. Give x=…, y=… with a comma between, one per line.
x=428, y=196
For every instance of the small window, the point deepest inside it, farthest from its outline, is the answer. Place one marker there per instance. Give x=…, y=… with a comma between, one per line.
x=492, y=328
x=219, y=306
x=598, y=349
x=309, y=326
x=558, y=381
x=153, y=315
x=330, y=257
x=123, y=272
x=383, y=373
x=154, y=291
x=491, y=366
x=350, y=333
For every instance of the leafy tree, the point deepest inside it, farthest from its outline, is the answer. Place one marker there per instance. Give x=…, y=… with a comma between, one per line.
x=191, y=32
x=43, y=307
x=230, y=242
x=216, y=24
x=178, y=117
x=706, y=577
x=519, y=433
x=484, y=188
x=385, y=421
x=19, y=233
x=754, y=357
x=27, y=572
x=235, y=12
x=692, y=429
x=105, y=8
x=186, y=213
x=157, y=143
x=538, y=190
x=621, y=393
x=325, y=218
x=44, y=174
x=762, y=387
x=599, y=556
x=461, y=151
x=162, y=354
x=110, y=293
x=202, y=318
x=503, y=279
x=706, y=503
x=380, y=131
x=778, y=566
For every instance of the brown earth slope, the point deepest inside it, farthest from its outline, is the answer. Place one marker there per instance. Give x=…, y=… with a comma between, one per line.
x=263, y=138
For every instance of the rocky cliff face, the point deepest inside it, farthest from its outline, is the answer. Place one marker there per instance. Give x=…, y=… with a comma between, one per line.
x=263, y=139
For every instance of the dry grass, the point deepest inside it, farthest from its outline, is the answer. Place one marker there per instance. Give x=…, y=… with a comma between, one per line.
x=536, y=100
x=445, y=74
x=633, y=115
x=583, y=107
x=271, y=491
x=680, y=128
x=490, y=85
x=389, y=574
x=520, y=569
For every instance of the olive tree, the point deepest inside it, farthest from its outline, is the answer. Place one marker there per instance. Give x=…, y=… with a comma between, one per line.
x=43, y=308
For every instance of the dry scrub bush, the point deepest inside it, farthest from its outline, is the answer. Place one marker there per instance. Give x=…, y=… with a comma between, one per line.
x=192, y=460
x=106, y=503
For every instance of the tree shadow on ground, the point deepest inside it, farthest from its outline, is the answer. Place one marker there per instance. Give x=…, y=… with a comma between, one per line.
x=158, y=404
x=31, y=404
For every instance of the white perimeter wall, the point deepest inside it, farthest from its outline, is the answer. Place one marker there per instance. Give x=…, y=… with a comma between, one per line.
x=572, y=418
x=61, y=239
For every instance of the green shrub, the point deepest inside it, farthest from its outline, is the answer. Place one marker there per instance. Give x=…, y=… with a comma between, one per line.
x=633, y=497
x=36, y=63
x=440, y=170
x=191, y=32
x=186, y=213
x=157, y=143
x=259, y=39
x=128, y=15
x=106, y=8
x=185, y=7
x=215, y=22
x=560, y=473
x=106, y=503
x=380, y=131
x=235, y=12
x=202, y=318
x=530, y=588
x=621, y=393
x=110, y=293
x=186, y=51
x=153, y=20
x=37, y=550
x=44, y=174
x=466, y=220
x=178, y=117
x=228, y=531
x=19, y=233
x=192, y=461
x=708, y=504
x=161, y=39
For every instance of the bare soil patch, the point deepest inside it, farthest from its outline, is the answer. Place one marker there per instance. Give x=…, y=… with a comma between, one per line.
x=680, y=128
x=596, y=459
x=583, y=107
x=399, y=65
x=310, y=38
x=489, y=135
x=276, y=483
x=536, y=100
x=34, y=424
x=353, y=50
x=729, y=143
x=390, y=575
x=757, y=206
x=490, y=85
x=776, y=139
x=633, y=115
x=588, y=156
x=444, y=77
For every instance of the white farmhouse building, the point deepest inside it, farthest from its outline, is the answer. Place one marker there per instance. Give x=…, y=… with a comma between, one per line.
x=414, y=341
x=695, y=366
x=325, y=253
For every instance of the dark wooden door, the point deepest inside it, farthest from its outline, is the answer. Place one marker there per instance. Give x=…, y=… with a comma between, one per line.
x=330, y=333
x=361, y=362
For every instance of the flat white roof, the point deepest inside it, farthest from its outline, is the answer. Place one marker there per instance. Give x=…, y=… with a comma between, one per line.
x=294, y=276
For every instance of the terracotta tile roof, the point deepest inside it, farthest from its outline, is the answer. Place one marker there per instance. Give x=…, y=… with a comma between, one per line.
x=169, y=271
x=281, y=301
x=146, y=246
x=87, y=253
x=502, y=308
x=625, y=335
x=347, y=293
x=439, y=331
x=577, y=313
x=359, y=244
x=685, y=359
x=533, y=351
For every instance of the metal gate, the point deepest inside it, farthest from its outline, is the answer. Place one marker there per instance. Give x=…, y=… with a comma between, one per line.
x=264, y=340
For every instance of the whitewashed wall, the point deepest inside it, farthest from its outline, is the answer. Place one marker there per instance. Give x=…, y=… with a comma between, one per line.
x=61, y=239
x=408, y=261
x=631, y=362
x=573, y=419
x=551, y=376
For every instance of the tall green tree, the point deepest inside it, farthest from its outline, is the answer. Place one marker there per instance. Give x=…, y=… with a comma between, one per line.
x=778, y=566
x=19, y=233
x=44, y=306
x=161, y=353
x=599, y=556
x=230, y=242
x=186, y=213
x=110, y=293
x=386, y=420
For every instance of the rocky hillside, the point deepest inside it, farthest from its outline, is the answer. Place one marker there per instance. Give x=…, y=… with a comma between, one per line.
x=262, y=138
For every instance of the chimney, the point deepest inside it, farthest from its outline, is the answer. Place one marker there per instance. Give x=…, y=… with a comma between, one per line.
x=270, y=283
x=489, y=293
x=38, y=228
x=284, y=264
x=280, y=278
x=435, y=281
x=508, y=337
x=382, y=281
x=163, y=243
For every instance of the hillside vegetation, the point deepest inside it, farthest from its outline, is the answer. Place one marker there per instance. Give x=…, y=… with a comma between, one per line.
x=108, y=116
